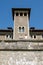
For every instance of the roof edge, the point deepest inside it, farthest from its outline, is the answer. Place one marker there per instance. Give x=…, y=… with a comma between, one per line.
x=20, y=9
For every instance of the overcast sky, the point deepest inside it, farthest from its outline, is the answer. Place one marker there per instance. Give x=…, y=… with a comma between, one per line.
x=36, y=16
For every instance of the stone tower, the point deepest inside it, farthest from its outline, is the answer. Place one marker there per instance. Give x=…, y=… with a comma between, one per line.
x=21, y=18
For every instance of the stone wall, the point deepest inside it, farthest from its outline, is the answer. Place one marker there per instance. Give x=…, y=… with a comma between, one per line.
x=21, y=57
x=26, y=45
x=21, y=52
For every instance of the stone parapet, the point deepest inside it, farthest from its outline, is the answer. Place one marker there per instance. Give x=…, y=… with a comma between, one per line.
x=21, y=45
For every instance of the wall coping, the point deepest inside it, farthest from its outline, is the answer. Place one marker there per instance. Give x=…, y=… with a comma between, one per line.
x=21, y=40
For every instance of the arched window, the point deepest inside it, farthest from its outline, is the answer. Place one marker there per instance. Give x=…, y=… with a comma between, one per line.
x=19, y=29
x=22, y=29
x=34, y=36
x=8, y=36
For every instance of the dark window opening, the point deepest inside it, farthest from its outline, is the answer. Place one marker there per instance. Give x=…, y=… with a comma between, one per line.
x=17, y=14
x=22, y=29
x=19, y=29
x=6, y=35
x=21, y=14
x=25, y=14
x=34, y=36
x=10, y=36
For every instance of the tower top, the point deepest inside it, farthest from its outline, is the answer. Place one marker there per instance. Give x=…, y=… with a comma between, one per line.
x=20, y=9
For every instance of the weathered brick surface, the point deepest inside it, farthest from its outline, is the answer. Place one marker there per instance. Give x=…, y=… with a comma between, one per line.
x=21, y=57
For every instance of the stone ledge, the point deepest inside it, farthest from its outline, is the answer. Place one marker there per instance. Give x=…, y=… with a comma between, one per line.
x=29, y=40
x=23, y=45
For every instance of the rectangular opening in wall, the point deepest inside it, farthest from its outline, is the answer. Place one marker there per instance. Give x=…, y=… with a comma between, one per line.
x=25, y=14
x=34, y=36
x=17, y=14
x=21, y=14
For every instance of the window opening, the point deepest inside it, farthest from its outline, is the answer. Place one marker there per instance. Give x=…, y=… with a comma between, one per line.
x=25, y=14
x=34, y=36
x=22, y=29
x=17, y=14
x=19, y=29
x=21, y=14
